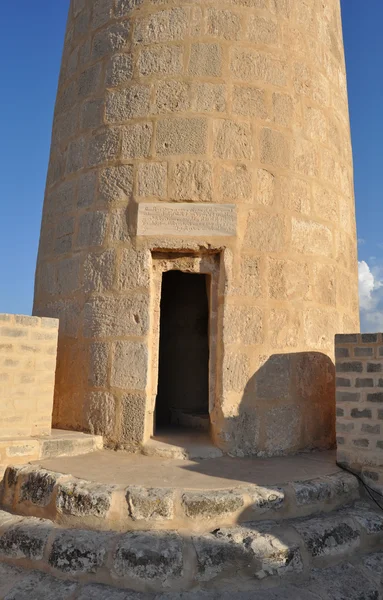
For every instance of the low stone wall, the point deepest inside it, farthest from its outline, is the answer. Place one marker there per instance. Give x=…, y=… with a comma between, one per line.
x=28, y=347
x=359, y=399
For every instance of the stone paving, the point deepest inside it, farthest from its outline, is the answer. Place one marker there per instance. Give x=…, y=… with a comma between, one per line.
x=242, y=558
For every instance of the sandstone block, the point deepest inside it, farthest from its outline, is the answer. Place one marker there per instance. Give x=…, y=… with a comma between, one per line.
x=233, y=140
x=25, y=540
x=273, y=378
x=283, y=428
x=133, y=407
x=110, y=40
x=103, y=147
x=266, y=187
x=99, y=271
x=37, y=486
x=209, y=97
x=192, y=180
x=262, y=30
x=130, y=366
x=236, y=371
x=265, y=232
x=274, y=148
x=119, y=70
x=250, y=65
x=124, y=7
x=75, y=155
x=89, y=81
x=205, y=60
x=306, y=158
x=163, y=551
x=319, y=536
x=92, y=114
x=128, y=103
x=76, y=552
x=134, y=270
x=236, y=183
x=309, y=237
x=162, y=26
x=102, y=316
x=152, y=179
x=171, y=97
x=84, y=499
x=249, y=102
x=102, y=12
x=224, y=24
x=101, y=406
x=181, y=136
x=136, y=140
x=295, y=194
x=266, y=499
x=116, y=184
x=92, y=229
x=284, y=109
x=161, y=59
x=150, y=504
x=210, y=505
x=243, y=324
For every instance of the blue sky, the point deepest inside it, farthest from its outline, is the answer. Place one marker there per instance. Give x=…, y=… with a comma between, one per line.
x=31, y=40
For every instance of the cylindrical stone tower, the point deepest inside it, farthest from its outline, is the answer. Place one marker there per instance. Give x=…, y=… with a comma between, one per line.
x=198, y=237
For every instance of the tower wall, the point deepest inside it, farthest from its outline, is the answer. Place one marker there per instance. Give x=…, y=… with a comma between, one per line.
x=210, y=136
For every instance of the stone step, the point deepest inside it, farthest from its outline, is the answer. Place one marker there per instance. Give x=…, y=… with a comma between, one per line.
x=319, y=557
x=358, y=581
x=34, y=491
x=59, y=443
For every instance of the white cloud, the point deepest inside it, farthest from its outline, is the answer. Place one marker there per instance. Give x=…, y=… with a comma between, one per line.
x=371, y=297
x=361, y=241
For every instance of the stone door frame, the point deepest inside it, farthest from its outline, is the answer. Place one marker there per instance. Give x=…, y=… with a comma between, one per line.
x=187, y=262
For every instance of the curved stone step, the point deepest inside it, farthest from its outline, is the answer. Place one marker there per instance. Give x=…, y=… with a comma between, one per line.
x=352, y=581
x=237, y=559
x=34, y=491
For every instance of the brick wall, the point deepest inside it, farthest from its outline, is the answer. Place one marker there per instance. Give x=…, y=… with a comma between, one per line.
x=28, y=347
x=359, y=399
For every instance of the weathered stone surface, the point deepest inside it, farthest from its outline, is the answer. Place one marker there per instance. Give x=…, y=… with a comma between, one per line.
x=210, y=505
x=150, y=504
x=192, y=180
x=332, y=536
x=76, y=552
x=148, y=556
x=185, y=219
x=244, y=547
x=332, y=487
x=266, y=498
x=343, y=581
x=37, y=486
x=181, y=136
x=103, y=592
x=39, y=585
x=26, y=539
x=315, y=490
x=83, y=499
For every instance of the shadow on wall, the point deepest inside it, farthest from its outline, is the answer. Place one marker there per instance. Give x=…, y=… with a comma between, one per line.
x=287, y=406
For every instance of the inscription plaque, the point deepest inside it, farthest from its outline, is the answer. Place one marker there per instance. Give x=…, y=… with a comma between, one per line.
x=184, y=219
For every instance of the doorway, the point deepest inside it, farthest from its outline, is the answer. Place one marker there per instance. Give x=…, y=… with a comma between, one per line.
x=183, y=377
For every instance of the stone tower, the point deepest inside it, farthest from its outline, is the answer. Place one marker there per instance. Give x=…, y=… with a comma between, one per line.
x=198, y=236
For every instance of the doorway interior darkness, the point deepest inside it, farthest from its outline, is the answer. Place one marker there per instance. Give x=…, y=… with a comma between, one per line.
x=183, y=380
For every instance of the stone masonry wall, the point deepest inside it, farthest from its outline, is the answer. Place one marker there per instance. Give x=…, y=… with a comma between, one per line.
x=359, y=399
x=230, y=107
x=28, y=347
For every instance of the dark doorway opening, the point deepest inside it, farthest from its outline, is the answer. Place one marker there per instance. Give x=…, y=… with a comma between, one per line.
x=183, y=380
